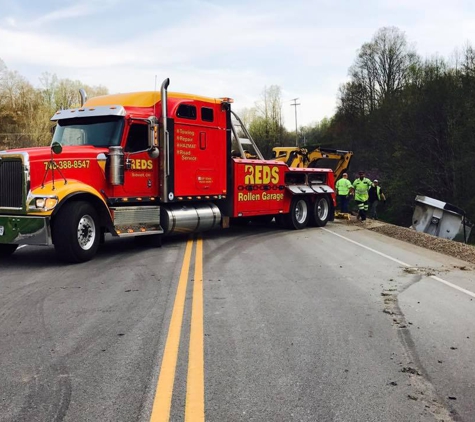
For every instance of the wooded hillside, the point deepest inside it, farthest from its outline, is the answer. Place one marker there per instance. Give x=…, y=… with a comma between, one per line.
x=25, y=111
x=410, y=122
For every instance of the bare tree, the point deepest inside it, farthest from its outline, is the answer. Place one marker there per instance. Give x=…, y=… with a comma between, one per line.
x=50, y=83
x=25, y=112
x=468, y=64
x=383, y=66
x=269, y=110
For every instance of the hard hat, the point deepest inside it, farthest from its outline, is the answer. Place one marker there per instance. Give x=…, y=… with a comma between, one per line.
x=375, y=181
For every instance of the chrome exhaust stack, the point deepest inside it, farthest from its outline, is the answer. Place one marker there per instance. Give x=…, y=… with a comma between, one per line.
x=165, y=196
x=83, y=95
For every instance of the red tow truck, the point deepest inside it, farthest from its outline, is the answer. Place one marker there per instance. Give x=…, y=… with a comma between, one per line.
x=149, y=164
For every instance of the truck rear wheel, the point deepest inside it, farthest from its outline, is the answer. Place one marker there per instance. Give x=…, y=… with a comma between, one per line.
x=76, y=232
x=299, y=214
x=7, y=250
x=320, y=211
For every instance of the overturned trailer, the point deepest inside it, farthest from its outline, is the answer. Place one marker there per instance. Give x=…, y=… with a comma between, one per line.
x=440, y=219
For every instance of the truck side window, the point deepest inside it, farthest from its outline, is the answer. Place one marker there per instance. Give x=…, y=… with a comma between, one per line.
x=317, y=178
x=186, y=111
x=137, y=139
x=206, y=114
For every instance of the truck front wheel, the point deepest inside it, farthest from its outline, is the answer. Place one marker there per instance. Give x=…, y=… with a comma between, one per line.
x=7, y=250
x=76, y=232
x=298, y=216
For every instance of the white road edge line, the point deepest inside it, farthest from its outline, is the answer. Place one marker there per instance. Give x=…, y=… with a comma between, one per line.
x=441, y=280
x=448, y=283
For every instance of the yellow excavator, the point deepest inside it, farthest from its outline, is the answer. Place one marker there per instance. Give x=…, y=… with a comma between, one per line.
x=316, y=157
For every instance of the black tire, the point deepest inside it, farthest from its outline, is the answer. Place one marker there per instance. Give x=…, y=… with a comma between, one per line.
x=321, y=211
x=7, y=249
x=76, y=232
x=299, y=214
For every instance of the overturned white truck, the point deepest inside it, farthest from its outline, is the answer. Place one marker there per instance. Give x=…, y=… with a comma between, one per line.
x=440, y=219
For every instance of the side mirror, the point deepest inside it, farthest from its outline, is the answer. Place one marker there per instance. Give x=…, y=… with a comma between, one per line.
x=153, y=152
x=152, y=132
x=56, y=147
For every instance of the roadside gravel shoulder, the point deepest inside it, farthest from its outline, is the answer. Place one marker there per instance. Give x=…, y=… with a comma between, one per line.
x=444, y=246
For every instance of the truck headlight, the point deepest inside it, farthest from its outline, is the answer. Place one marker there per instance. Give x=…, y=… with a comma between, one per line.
x=43, y=203
x=40, y=202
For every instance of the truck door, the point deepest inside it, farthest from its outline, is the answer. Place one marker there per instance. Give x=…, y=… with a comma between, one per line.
x=199, y=159
x=141, y=172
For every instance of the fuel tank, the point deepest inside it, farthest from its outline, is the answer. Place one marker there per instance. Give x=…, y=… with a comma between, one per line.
x=193, y=218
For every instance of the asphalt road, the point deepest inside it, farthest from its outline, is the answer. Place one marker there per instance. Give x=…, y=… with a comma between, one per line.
x=248, y=324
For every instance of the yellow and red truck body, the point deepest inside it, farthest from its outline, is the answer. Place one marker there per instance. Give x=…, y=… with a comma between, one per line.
x=147, y=163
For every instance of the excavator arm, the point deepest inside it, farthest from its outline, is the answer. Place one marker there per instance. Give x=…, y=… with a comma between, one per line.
x=315, y=157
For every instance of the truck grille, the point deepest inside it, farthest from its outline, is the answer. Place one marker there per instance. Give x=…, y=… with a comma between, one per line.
x=11, y=183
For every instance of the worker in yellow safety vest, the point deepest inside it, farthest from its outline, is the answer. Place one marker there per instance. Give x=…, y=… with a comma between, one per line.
x=343, y=188
x=376, y=196
x=360, y=188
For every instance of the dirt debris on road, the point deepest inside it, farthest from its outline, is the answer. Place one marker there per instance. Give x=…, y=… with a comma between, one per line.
x=424, y=240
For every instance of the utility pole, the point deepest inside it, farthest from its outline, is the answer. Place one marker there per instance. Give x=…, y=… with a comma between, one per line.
x=295, y=104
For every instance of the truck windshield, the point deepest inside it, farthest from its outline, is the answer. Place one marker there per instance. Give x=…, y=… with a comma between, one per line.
x=102, y=131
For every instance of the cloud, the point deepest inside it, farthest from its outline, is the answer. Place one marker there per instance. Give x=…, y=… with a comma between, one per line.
x=75, y=11
x=10, y=21
x=220, y=48
x=39, y=49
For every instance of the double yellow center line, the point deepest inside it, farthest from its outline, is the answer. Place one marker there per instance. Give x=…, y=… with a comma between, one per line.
x=194, y=408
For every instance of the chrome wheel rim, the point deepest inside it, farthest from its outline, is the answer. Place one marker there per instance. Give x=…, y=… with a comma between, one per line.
x=86, y=232
x=322, y=209
x=301, y=211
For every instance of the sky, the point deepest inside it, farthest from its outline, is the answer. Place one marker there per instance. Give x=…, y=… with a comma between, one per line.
x=221, y=48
